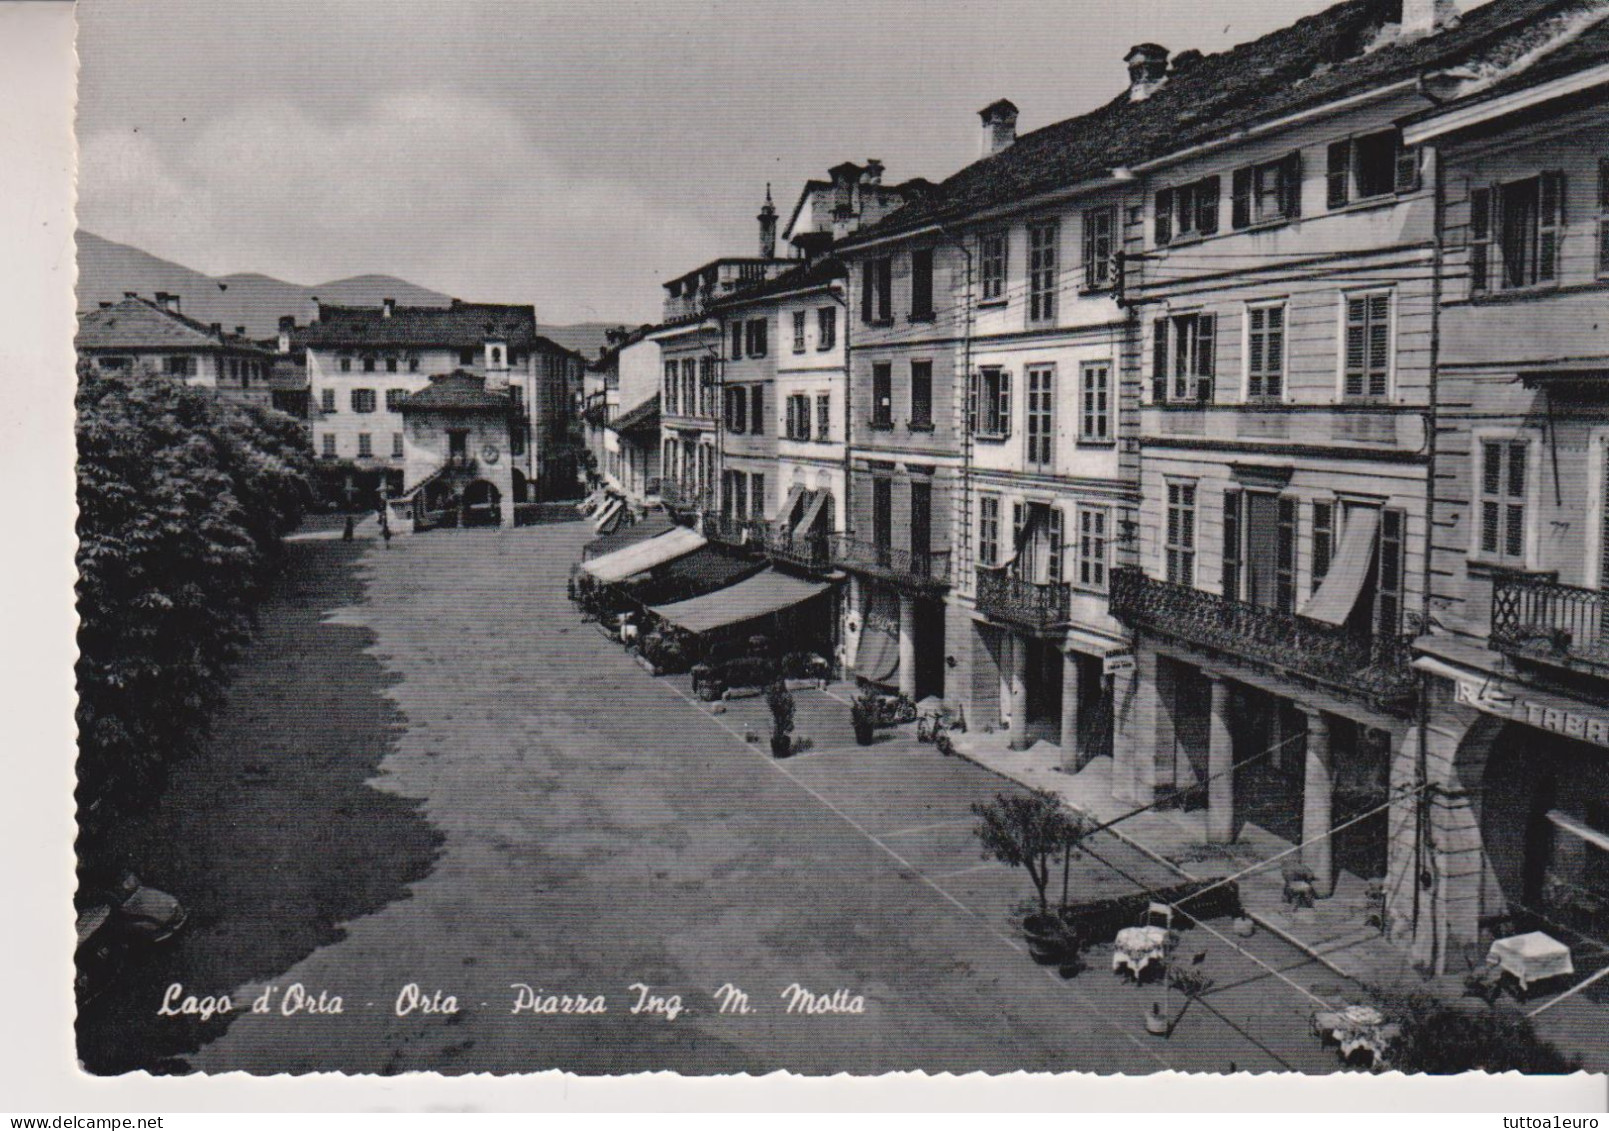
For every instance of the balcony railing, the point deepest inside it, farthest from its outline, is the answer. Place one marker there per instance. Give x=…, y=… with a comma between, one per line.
x=900, y=566
x=1552, y=623
x=1025, y=604
x=746, y=532
x=1373, y=668
x=680, y=496
x=807, y=551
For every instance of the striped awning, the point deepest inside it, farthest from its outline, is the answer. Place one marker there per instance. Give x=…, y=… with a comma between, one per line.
x=763, y=594
x=644, y=556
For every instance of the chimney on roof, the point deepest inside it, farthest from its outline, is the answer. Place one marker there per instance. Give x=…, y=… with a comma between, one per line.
x=217, y=328
x=1148, y=70
x=1186, y=59
x=873, y=174
x=388, y=307
x=999, y=127
x=106, y=306
x=131, y=294
x=768, y=226
x=1426, y=17
x=240, y=331
x=167, y=302
x=313, y=302
x=287, y=323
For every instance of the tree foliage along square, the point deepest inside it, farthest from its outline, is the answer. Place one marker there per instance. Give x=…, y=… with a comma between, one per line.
x=182, y=500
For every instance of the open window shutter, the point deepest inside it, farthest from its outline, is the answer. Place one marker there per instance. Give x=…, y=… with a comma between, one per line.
x=1240, y=199
x=1206, y=347
x=1550, y=222
x=1164, y=217
x=1285, y=557
x=1159, y=360
x=1005, y=402
x=1231, y=545
x=1053, y=562
x=1336, y=174
x=1207, y=206
x=1379, y=343
x=1407, y=169
x=868, y=281
x=1603, y=254
x=972, y=402
x=1019, y=535
x=1089, y=249
x=1480, y=239
x=1291, y=184
x=1356, y=347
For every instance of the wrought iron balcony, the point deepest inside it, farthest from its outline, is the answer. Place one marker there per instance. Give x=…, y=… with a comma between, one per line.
x=745, y=532
x=903, y=567
x=805, y=551
x=1023, y=604
x=1373, y=668
x=1541, y=620
x=681, y=496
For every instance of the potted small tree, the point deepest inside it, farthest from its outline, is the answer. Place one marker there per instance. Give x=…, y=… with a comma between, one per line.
x=1028, y=831
x=863, y=715
x=780, y=700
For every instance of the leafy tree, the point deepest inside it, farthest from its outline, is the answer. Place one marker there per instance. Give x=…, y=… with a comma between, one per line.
x=1027, y=831
x=1439, y=1037
x=182, y=499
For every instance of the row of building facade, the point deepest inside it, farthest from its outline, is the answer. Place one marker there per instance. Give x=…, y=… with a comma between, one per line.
x=453, y=414
x=1250, y=432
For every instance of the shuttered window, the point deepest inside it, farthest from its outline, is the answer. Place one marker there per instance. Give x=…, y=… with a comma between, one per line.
x=1323, y=541
x=1265, y=352
x=1180, y=540
x=1368, y=346
x=1098, y=225
x=1503, y=469
x=1231, y=545
x=1095, y=402
x=1041, y=416
x=1092, y=547
x=1042, y=271
x=882, y=395
x=1480, y=239
x=988, y=529
x=1390, y=571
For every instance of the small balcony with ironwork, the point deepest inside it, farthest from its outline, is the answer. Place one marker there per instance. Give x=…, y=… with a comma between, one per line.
x=1542, y=621
x=908, y=569
x=1372, y=668
x=1022, y=604
x=678, y=496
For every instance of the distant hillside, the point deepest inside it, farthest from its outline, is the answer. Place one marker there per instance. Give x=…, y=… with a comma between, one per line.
x=107, y=269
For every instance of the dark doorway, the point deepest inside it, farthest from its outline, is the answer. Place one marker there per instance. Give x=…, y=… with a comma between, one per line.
x=921, y=525
x=929, y=649
x=883, y=519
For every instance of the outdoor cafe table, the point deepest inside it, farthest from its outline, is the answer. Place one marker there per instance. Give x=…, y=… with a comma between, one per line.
x=1355, y=1027
x=1533, y=957
x=1138, y=947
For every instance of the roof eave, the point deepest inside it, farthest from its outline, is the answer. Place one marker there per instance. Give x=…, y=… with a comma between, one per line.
x=1485, y=106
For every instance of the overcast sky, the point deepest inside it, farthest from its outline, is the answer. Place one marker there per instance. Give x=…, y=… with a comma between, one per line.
x=571, y=155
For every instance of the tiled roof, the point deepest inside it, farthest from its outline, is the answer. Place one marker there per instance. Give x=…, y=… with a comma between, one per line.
x=1588, y=47
x=456, y=392
x=140, y=324
x=644, y=416
x=804, y=277
x=1316, y=60
x=463, y=325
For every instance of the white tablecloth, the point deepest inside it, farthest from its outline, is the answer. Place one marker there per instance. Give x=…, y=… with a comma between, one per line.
x=1138, y=947
x=1531, y=958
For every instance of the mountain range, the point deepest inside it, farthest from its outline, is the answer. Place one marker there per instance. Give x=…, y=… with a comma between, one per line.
x=107, y=270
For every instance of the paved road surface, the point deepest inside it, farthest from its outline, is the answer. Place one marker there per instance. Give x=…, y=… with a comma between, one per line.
x=602, y=829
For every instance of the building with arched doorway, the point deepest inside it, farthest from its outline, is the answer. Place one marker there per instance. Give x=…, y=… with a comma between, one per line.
x=457, y=470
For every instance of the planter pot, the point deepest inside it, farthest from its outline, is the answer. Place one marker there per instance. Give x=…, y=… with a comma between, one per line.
x=1245, y=928
x=1157, y=1023
x=1048, y=942
x=863, y=734
x=782, y=746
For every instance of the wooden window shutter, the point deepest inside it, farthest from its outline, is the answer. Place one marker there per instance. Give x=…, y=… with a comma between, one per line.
x=1240, y=199
x=1159, y=360
x=1291, y=184
x=1480, y=239
x=868, y=284
x=1207, y=206
x=1005, y=402
x=1164, y=217
x=972, y=402
x=1356, y=346
x=1550, y=223
x=1337, y=174
x=1206, y=347
x=1285, y=556
x=1379, y=343
x=1603, y=257
x=1231, y=545
x=1407, y=177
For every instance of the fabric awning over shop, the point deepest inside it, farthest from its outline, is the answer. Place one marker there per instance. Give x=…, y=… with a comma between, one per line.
x=785, y=511
x=649, y=526
x=877, y=658
x=1338, y=595
x=644, y=556
x=603, y=521
x=692, y=575
x=812, y=513
x=765, y=593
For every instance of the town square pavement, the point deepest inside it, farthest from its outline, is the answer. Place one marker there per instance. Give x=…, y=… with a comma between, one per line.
x=600, y=833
